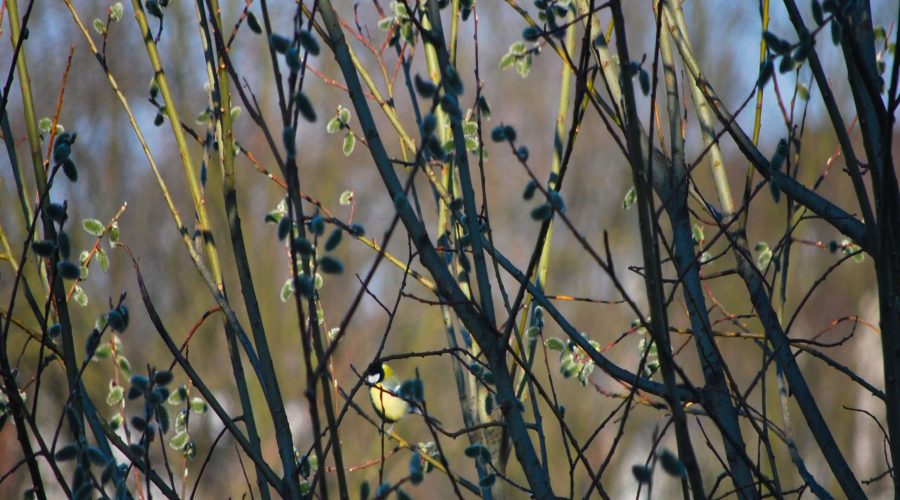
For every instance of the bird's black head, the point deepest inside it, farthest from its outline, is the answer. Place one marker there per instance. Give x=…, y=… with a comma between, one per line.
x=375, y=373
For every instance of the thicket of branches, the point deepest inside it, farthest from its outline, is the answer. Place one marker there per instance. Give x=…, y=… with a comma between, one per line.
x=730, y=396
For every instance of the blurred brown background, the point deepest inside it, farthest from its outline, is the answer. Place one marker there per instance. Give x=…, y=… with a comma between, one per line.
x=113, y=171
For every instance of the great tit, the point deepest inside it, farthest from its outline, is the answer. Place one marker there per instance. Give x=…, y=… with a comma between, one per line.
x=382, y=393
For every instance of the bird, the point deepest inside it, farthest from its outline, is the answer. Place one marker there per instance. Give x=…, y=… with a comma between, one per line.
x=382, y=393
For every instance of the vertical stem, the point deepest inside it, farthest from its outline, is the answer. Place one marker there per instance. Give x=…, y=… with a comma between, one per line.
x=203, y=225
x=470, y=394
x=475, y=320
x=659, y=327
x=219, y=80
x=55, y=286
x=707, y=124
x=688, y=269
x=462, y=162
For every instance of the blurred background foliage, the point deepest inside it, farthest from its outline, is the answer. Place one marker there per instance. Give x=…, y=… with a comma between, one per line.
x=114, y=171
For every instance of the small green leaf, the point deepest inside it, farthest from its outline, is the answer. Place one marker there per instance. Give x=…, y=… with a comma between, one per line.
x=557, y=202
x=343, y=114
x=424, y=87
x=334, y=239
x=317, y=225
x=507, y=61
x=116, y=321
x=79, y=296
x=478, y=451
x=68, y=270
x=154, y=88
x=287, y=289
x=279, y=43
x=292, y=57
x=776, y=44
x=787, y=64
x=125, y=365
x=386, y=23
x=43, y=248
x=305, y=106
x=253, y=23
x=303, y=246
x=802, y=91
x=70, y=171
x=450, y=105
x=452, y=81
x=697, y=233
x=177, y=397
x=308, y=42
x=113, y=234
x=364, y=490
x=115, y=395
x=102, y=352
x=348, y=144
x=330, y=265
x=850, y=248
x=44, y=125
x=837, y=33
x=198, y=406
x=57, y=211
x=93, y=227
x=416, y=473
x=555, y=344
x=67, y=452
x=163, y=377
x=642, y=473
x=523, y=65
x=333, y=125
x=498, y=134
x=99, y=26
x=542, y=212
x=154, y=9
x=304, y=284
x=630, y=198
x=522, y=153
x=818, y=16
x=484, y=107
x=103, y=260
x=644, y=80
x=179, y=440
x=671, y=463
x=346, y=198
x=116, y=421
x=140, y=381
x=763, y=255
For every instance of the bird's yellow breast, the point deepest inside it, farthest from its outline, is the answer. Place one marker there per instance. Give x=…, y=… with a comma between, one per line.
x=390, y=407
